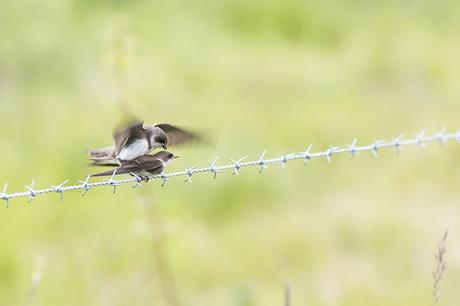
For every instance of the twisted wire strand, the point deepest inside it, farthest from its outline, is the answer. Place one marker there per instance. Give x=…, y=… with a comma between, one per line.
x=262, y=163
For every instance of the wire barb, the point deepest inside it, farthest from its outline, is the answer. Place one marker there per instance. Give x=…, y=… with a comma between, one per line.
x=261, y=163
x=306, y=155
x=441, y=136
x=164, y=179
x=189, y=173
x=212, y=167
x=352, y=148
x=113, y=182
x=375, y=147
x=32, y=192
x=330, y=152
x=397, y=143
x=237, y=165
x=4, y=195
x=58, y=189
x=284, y=160
x=85, y=185
x=420, y=138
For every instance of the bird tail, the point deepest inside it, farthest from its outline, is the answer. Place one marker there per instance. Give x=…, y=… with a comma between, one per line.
x=103, y=157
x=104, y=161
x=101, y=152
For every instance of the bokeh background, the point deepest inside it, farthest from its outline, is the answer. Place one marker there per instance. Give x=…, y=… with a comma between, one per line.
x=251, y=76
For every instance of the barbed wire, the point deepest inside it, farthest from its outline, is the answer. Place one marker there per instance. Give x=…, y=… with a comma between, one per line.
x=397, y=143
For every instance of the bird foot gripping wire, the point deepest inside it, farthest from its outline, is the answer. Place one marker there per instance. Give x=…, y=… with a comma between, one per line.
x=139, y=179
x=164, y=179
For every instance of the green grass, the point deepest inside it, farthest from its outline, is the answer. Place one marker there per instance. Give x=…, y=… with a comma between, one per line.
x=252, y=76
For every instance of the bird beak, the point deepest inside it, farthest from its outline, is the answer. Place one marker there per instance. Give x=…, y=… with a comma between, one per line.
x=164, y=147
x=176, y=156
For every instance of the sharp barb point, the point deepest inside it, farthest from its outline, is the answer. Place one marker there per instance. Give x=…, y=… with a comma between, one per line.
x=306, y=154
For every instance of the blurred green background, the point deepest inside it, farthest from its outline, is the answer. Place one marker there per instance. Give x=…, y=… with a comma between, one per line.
x=251, y=75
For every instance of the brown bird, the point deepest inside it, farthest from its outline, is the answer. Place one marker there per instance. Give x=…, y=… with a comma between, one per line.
x=137, y=139
x=142, y=166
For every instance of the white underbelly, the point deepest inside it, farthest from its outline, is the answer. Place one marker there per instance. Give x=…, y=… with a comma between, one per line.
x=136, y=149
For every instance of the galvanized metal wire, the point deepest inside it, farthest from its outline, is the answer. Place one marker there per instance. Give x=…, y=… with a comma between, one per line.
x=397, y=143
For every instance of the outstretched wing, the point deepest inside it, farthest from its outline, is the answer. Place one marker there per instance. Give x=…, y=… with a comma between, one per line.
x=177, y=135
x=127, y=133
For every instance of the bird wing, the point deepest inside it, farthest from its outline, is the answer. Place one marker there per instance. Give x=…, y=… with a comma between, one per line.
x=124, y=135
x=143, y=163
x=177, y=135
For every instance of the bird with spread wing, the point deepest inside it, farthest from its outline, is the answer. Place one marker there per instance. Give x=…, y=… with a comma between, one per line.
x=136, y=139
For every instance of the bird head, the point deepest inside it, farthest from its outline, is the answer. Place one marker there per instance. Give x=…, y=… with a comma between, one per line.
x=165, y=156
x=159, y=139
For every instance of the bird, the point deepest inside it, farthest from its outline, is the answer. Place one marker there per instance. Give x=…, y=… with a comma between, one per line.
x=137, y=139
x=142, y=166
